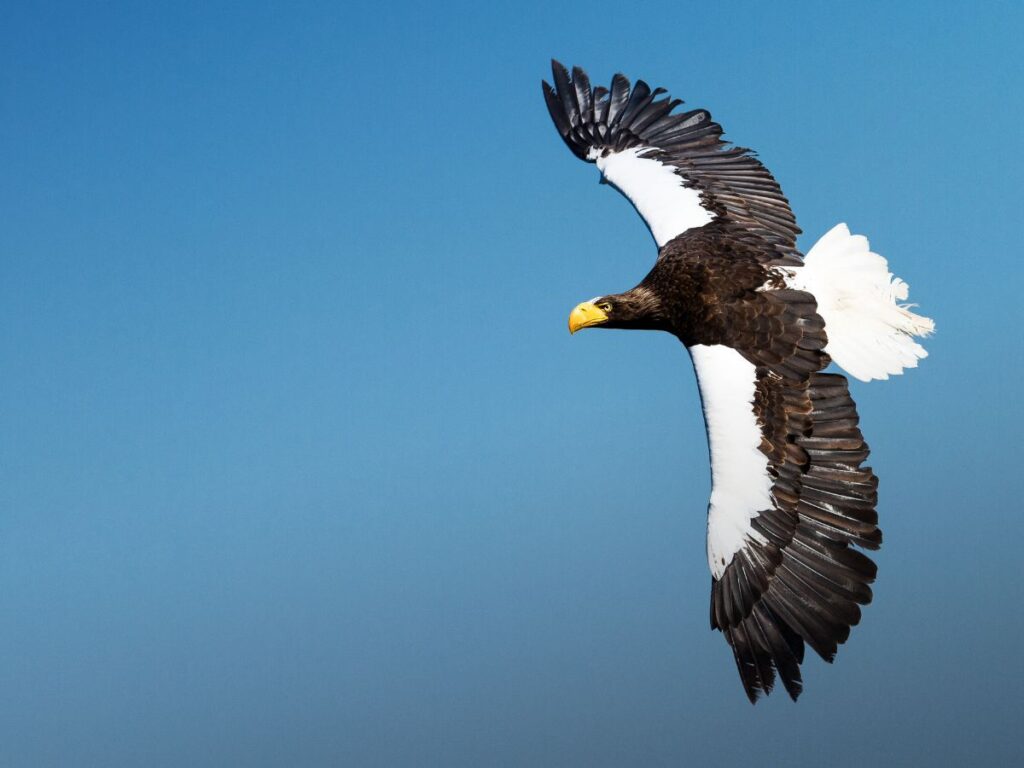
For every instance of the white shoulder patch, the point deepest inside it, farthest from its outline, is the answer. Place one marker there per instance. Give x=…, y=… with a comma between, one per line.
x=656, y=191
x=740, y=482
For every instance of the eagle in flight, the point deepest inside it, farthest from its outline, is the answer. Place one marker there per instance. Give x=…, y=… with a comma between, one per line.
x=791, y=500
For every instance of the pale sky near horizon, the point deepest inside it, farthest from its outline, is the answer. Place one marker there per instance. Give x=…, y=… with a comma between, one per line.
x=301, y=467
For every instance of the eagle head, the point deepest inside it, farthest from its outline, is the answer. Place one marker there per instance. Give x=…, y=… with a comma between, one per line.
x=639, y=308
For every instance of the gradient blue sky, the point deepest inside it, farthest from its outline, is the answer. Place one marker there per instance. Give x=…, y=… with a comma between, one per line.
x=300, y=466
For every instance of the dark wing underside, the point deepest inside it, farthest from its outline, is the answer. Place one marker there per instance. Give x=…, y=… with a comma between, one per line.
x=732, y=182
x=804, y=583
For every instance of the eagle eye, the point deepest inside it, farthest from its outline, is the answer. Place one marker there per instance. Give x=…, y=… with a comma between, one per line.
x=605, y=307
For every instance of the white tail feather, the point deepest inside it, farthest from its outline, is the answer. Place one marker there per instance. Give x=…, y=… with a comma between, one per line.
x=870, y=333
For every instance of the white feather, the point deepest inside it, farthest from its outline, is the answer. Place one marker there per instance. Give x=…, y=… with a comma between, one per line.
x=656, y=191
x=870, y=333
x=740, y=483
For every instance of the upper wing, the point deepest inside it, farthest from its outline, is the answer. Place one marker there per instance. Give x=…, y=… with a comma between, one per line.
x=675, y=168
x=789, y=495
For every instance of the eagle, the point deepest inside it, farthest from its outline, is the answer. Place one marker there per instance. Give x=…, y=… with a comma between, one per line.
x=792, y=504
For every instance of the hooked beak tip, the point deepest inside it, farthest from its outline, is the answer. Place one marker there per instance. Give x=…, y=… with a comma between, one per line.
x=585, y=315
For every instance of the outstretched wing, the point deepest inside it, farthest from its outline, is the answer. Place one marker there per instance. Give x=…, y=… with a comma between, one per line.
x=789, y=495
x=674, y=167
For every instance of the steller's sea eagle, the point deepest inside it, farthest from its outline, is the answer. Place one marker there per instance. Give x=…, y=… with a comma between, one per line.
x=790, y=497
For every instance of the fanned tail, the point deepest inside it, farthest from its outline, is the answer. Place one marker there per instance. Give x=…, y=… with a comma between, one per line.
x=870, y=332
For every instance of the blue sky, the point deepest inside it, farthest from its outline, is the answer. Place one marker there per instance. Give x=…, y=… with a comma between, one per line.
x=300, y=466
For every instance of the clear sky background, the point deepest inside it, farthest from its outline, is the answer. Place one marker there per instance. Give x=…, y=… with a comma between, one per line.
x=299, y=465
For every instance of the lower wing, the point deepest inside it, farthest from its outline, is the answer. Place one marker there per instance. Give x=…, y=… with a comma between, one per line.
x=789, y=497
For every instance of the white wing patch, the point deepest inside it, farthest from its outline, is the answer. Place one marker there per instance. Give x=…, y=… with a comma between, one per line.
x=656, y=191
x=870, y=332
x=740, y=483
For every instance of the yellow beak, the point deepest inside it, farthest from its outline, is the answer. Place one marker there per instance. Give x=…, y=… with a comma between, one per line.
x=586, y=315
